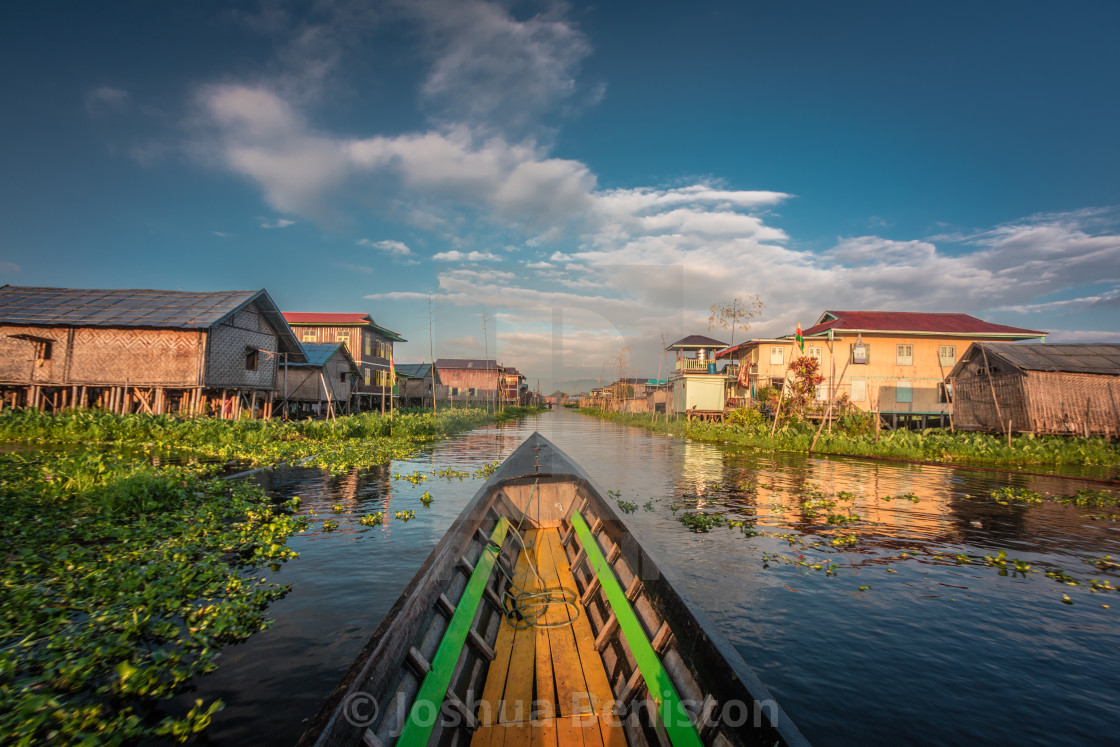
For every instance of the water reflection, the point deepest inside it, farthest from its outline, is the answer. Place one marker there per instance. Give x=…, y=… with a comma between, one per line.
x=890, y=641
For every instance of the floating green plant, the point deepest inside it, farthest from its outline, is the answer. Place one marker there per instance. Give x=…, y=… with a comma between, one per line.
x=405, y=515
x=372, y=520
x=626, y=506
x=426, y=499
x=451, y=473
x=329, y=525
x=338, y=508
x=1005, y=496
x=698, y=522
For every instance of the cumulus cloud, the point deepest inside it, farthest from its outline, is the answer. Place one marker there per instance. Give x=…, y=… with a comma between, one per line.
x=389, y=246
x=457, y=256
x=9, y=267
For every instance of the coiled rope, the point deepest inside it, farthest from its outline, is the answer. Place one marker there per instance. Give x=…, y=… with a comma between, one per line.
x=528, y=606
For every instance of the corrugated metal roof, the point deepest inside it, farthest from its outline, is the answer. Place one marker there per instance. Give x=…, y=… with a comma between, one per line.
x=339, y=319
x=1103, y=358
x=142, y=308
x=697, y=341
x=490, y=365
x=318, y=353
x=915, y=321
x=414, y=370
x=76, y=307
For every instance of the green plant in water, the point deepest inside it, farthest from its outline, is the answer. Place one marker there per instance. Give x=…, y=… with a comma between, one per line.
x=405, y=515
x=329, y=525
x=338, y=508
x=626, y=506
x=372, y=520
x=1005, y=496
x=698, y=522
x=426, y=499
x=486, y=470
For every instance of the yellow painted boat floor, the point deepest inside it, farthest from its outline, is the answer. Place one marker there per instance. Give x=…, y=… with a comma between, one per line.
x=547, y=686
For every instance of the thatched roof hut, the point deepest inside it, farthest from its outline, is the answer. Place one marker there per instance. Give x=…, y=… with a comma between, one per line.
x=1051, y=388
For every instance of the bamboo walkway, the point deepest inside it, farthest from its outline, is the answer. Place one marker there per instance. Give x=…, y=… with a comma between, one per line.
x=547, y=687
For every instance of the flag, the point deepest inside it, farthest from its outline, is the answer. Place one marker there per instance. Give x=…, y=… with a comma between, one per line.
x=392, y=373
x=799, y=338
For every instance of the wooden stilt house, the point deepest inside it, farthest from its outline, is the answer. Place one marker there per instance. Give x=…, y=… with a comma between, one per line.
x=1056, y=389
x=151, y=351
x=321, y=385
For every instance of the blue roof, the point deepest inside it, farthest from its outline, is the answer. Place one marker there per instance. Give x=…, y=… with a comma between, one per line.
x=318, y=353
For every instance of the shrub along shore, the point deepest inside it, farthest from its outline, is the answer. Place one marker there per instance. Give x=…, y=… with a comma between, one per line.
x=122, y=580
x=853, y=434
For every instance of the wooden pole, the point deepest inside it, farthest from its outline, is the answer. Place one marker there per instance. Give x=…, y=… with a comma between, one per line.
x=992, y=386
x=828, y=413
x=1088, y=414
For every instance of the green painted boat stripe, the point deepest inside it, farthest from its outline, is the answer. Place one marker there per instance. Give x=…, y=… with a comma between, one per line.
x=673, y=715
x=425, y=709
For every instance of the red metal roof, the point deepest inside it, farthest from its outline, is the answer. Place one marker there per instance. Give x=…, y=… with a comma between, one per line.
x=917, y=322
x=299, y=317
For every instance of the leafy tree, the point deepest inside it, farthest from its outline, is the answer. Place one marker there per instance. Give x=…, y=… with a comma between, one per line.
x=735, y=314
x=806, y=378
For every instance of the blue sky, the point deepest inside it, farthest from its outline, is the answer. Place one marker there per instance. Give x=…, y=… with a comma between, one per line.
x=588, y=176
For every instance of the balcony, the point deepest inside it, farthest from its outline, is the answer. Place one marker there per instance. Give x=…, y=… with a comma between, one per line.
x=693, y=366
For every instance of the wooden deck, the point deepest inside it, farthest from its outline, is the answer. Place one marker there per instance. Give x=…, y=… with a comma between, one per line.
x=547, y=687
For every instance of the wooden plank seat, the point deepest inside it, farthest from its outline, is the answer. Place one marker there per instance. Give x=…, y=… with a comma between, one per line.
x=547, y=685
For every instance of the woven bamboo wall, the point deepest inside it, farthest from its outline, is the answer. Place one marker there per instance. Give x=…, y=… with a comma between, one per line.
x=103, y=356
x=974, y=408
x=226, y=350
x=141, y=357
x=1065, y=402
x=19, y=363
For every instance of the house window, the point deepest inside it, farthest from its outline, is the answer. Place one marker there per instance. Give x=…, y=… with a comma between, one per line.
x=859, y=390
x=367, y=347
x=944, y=393
x=861, y=353
x=472, y=391
x=777, y=355
x=43, y=350
x=252, y=359
x=342, y=338
x=947, y=355
x=904, y=355
x=309, y=335
x=904, y=392
x=365, y=373
x=342, y=377
x=454, y=391
x=816, y=353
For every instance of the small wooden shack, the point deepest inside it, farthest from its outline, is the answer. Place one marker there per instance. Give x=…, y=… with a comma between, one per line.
x=152, y=351
x=417, y=388
x=469, y=381
x=1068, y=389
x=324, y=382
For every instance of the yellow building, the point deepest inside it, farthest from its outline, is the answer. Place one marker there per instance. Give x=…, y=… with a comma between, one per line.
x=886, y=361
x=695, y=382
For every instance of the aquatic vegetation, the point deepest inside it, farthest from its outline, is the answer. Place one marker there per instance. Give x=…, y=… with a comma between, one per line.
x=698, y=522
x=843, y=519
x=121, y=583
x=426, y=499
x=1091, y=499
x=648, y=506
x=415, y=478
x=486, y=470
x=626, y=506
x=1006, y=496
x=405, y=515
x=338, y=508
x=451, y=473
x=852, y=437
x=330, y=525
x=1105, y=564
x=901, y=497
x=372, y=520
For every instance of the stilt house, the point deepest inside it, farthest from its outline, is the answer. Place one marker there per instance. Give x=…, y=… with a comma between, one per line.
x=371, y=346
x=469, y=381
x=1056, y=389
x=151, y=351
x=325, y=381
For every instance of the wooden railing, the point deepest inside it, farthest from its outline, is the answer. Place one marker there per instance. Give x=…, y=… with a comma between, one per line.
x=692, y=365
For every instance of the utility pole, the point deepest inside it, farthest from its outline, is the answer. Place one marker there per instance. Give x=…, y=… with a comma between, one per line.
x=486, y=347
x=431, y=355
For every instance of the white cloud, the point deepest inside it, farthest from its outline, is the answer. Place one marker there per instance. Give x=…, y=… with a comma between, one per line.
x=220, y=234
x=276, y=223
x=10, y=267
x=106, y=99
x=493, y=70
x=389, y=246
x=457, y=256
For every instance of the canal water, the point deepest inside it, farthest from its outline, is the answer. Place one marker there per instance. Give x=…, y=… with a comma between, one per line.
x=901, y=623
